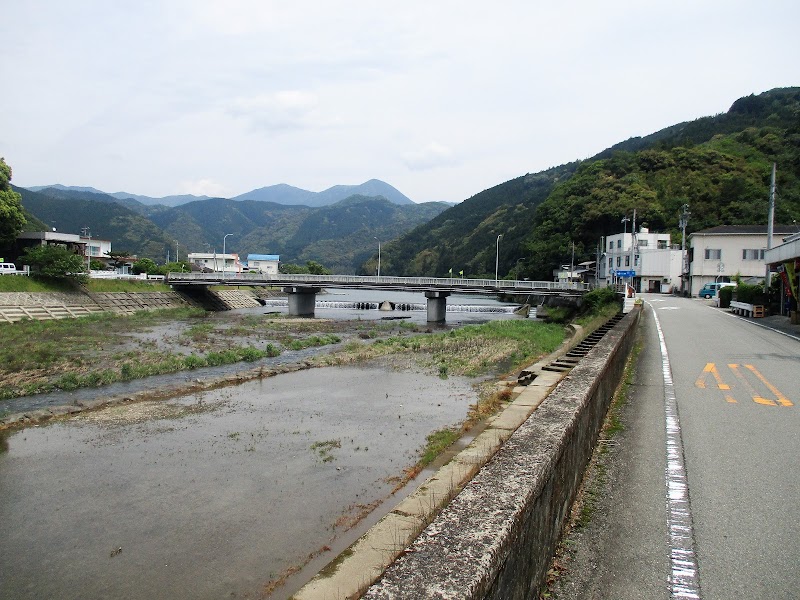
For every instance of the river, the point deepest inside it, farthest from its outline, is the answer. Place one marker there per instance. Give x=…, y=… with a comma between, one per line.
x=216, y=494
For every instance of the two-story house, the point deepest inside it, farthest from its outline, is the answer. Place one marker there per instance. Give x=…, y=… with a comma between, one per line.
x=727, y=251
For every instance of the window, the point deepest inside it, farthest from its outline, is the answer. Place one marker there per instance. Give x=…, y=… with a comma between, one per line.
x=611, y=245
x=713, y=254
x=619, y=243
x=619, y=261
x=642, y=244
x=662, y=244
x=627, y=260
x=753, y=254
x=610, y=263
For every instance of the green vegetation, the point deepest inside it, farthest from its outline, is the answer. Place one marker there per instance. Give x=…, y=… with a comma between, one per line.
x=719, y=165
x=470, y=351
x=12, y=216
x=54, y=262
x=323, y=449
x=438, y=442
x=313, y=341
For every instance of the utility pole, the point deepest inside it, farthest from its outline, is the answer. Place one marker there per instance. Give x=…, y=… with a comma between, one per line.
x=770, y=220
x=572, y=263
x=88, y=234
x=683, y=222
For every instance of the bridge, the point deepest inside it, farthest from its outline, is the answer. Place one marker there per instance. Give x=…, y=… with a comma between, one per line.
x=302, y=289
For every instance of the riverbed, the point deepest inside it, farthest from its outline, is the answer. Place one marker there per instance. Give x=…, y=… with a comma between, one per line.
x=212, y=495
x=215, y=494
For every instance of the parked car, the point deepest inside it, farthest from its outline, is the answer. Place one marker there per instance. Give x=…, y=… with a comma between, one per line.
x=8, y=268
x=710, y=289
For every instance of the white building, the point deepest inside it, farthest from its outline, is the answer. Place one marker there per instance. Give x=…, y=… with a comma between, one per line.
x=263, y=263
x=96, y=249
x=724, y=252
x=655, y=263
x=216, y=262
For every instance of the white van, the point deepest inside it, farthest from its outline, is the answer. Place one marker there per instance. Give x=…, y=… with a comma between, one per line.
x=8, y=268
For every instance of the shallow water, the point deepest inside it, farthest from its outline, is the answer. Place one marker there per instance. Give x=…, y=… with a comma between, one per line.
x=211, y=495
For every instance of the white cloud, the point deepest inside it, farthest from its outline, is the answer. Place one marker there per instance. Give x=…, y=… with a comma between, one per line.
x=440, y=99
x=204, y=187
x=277, y=111
x=432, y=156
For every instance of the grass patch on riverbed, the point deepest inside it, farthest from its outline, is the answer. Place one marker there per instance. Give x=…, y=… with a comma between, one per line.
x=473, y=350
x=96, y=350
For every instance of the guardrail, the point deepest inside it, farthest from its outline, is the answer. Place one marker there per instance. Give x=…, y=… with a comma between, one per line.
x=370, y=282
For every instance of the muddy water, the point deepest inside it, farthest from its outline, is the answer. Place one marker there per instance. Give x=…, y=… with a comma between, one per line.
x=209, y=496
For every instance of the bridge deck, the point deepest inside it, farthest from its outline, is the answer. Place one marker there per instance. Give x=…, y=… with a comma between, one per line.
x=443, y=284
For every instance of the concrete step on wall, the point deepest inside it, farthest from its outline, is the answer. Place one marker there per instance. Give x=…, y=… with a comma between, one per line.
x=11, y=314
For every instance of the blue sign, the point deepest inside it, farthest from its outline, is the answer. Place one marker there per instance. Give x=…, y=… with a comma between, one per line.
x=626, y=273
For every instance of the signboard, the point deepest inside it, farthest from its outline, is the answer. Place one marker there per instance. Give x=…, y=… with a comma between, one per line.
x=626, y=273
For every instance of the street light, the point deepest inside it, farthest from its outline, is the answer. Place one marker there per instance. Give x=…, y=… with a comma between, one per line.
x=224, y=259
x=516, y=270
x=379, y=255
x=497, y=261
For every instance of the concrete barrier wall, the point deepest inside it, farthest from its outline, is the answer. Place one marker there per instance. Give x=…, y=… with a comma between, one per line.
x=496, y=539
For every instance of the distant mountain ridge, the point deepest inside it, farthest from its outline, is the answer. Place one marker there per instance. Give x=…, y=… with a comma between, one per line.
x=279, y=194
x=341, y=236
x=287, y=194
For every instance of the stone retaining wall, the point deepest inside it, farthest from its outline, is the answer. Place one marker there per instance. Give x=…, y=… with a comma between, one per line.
x=497, y=537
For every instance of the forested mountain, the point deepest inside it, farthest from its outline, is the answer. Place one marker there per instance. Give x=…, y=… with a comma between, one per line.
x=287, y=194
x=70, y=211
x=145, y=200
x=340, y=236
x=720, y=166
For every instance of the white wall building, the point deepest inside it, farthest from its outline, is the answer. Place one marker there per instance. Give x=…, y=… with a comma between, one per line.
x=724, y=252
x=96, y=249
x=655, y=262
x=263, y=263
x=216, y=262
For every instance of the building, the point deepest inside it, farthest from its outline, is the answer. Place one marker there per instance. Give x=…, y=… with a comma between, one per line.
x=646, y=260
x=728, y=251
x=32, y=239
x=264, y=263
x=216, y=262
x=784, y=259
x=96, y=249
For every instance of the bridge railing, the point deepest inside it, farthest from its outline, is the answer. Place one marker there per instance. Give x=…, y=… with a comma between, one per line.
x=444, y=283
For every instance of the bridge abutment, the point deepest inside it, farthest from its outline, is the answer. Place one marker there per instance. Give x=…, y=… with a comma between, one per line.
x=301, y=300
x=437, y=306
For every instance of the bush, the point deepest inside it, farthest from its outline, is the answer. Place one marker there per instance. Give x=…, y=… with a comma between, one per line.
x=598, y=298
x=750, y=294
x=725, y=296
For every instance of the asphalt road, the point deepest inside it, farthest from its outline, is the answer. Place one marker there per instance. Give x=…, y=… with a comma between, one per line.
x=735, y=390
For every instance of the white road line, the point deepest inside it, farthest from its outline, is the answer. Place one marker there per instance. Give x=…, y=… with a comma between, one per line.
x=684, y=579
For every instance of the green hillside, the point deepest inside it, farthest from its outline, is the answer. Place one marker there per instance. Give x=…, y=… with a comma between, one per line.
x=339, y=236
x=718, y=165
x=106, y=218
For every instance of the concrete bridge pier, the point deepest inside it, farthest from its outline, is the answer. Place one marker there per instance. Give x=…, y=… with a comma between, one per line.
x=437, y=306
x=301, y=300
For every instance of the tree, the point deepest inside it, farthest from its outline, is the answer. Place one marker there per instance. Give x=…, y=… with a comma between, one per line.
x=54, y=262
x=145, y=265
x=119, y=258
x=12, y=217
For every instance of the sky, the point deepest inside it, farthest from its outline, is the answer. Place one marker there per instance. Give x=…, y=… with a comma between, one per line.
x=441, y=99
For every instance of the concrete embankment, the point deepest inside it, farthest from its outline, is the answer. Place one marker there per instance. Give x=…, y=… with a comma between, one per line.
x=15, y=306
x=511, y=490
